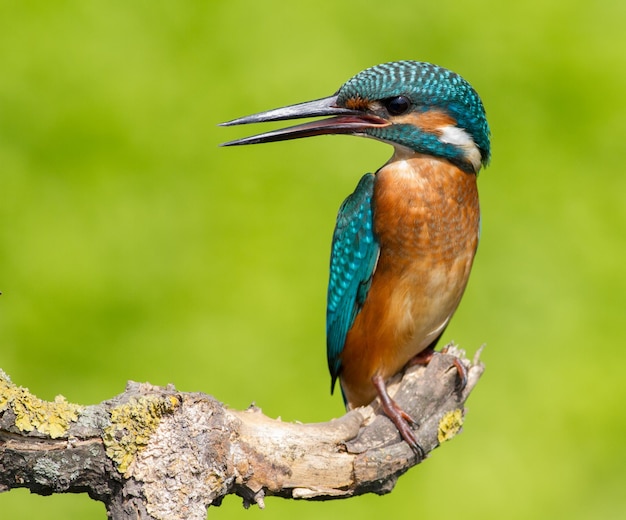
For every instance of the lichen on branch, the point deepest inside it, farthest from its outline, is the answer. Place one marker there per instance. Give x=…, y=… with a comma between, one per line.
x=51, y=419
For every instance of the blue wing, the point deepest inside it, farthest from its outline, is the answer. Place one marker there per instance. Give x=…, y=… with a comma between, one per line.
x=353, y=260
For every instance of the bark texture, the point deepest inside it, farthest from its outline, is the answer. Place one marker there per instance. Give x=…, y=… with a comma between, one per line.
x=156, y=453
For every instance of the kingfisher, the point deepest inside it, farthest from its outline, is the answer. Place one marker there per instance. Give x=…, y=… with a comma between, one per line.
x=405, y=239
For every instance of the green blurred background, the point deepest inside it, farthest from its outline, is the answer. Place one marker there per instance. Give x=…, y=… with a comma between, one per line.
x=132, y=247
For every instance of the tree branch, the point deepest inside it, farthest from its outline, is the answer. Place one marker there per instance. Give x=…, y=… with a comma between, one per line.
x=158, y=453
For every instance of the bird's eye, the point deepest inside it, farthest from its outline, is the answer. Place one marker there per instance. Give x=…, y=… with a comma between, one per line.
x=396, y=106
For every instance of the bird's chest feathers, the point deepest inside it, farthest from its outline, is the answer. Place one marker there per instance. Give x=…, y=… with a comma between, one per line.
x=425, y=210
x=426, y=219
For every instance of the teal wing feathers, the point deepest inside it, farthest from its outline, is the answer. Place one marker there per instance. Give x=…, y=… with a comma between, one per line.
x=352, y=263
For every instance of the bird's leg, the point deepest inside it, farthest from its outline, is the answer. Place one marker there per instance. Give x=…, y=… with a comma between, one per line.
x=398, y=416
x=425, y=356
x=422, y=358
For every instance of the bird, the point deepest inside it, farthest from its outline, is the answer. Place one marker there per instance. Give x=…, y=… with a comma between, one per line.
x=405, y=239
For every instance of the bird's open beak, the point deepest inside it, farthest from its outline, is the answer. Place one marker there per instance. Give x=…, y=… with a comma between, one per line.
x=341, y=121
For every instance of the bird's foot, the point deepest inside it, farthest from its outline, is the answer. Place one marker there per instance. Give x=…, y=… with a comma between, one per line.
x=461, y=370
x=425, y=356
x=402, y=420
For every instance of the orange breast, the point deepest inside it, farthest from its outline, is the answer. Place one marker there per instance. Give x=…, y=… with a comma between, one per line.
x=426, y=218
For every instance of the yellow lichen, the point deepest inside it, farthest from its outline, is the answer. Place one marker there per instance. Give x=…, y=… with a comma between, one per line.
x=132, y=425
x=449, y=425
x=32, y=413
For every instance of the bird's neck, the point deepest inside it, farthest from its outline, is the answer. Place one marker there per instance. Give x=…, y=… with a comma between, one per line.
x=404, y=153
x=466, y=155
x=410, y=164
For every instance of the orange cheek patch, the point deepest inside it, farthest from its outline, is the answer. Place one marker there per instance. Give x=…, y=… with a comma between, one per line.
x=357, y=103
x=431, y=121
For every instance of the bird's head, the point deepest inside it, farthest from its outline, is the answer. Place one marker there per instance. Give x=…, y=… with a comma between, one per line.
x=412, y=105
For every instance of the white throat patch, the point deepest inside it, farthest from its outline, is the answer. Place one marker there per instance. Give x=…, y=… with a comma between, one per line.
x=459, y=137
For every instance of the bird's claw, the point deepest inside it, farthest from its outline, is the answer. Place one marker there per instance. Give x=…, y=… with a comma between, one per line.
x=409, y=437
x=462, y=373
x=401, y=419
